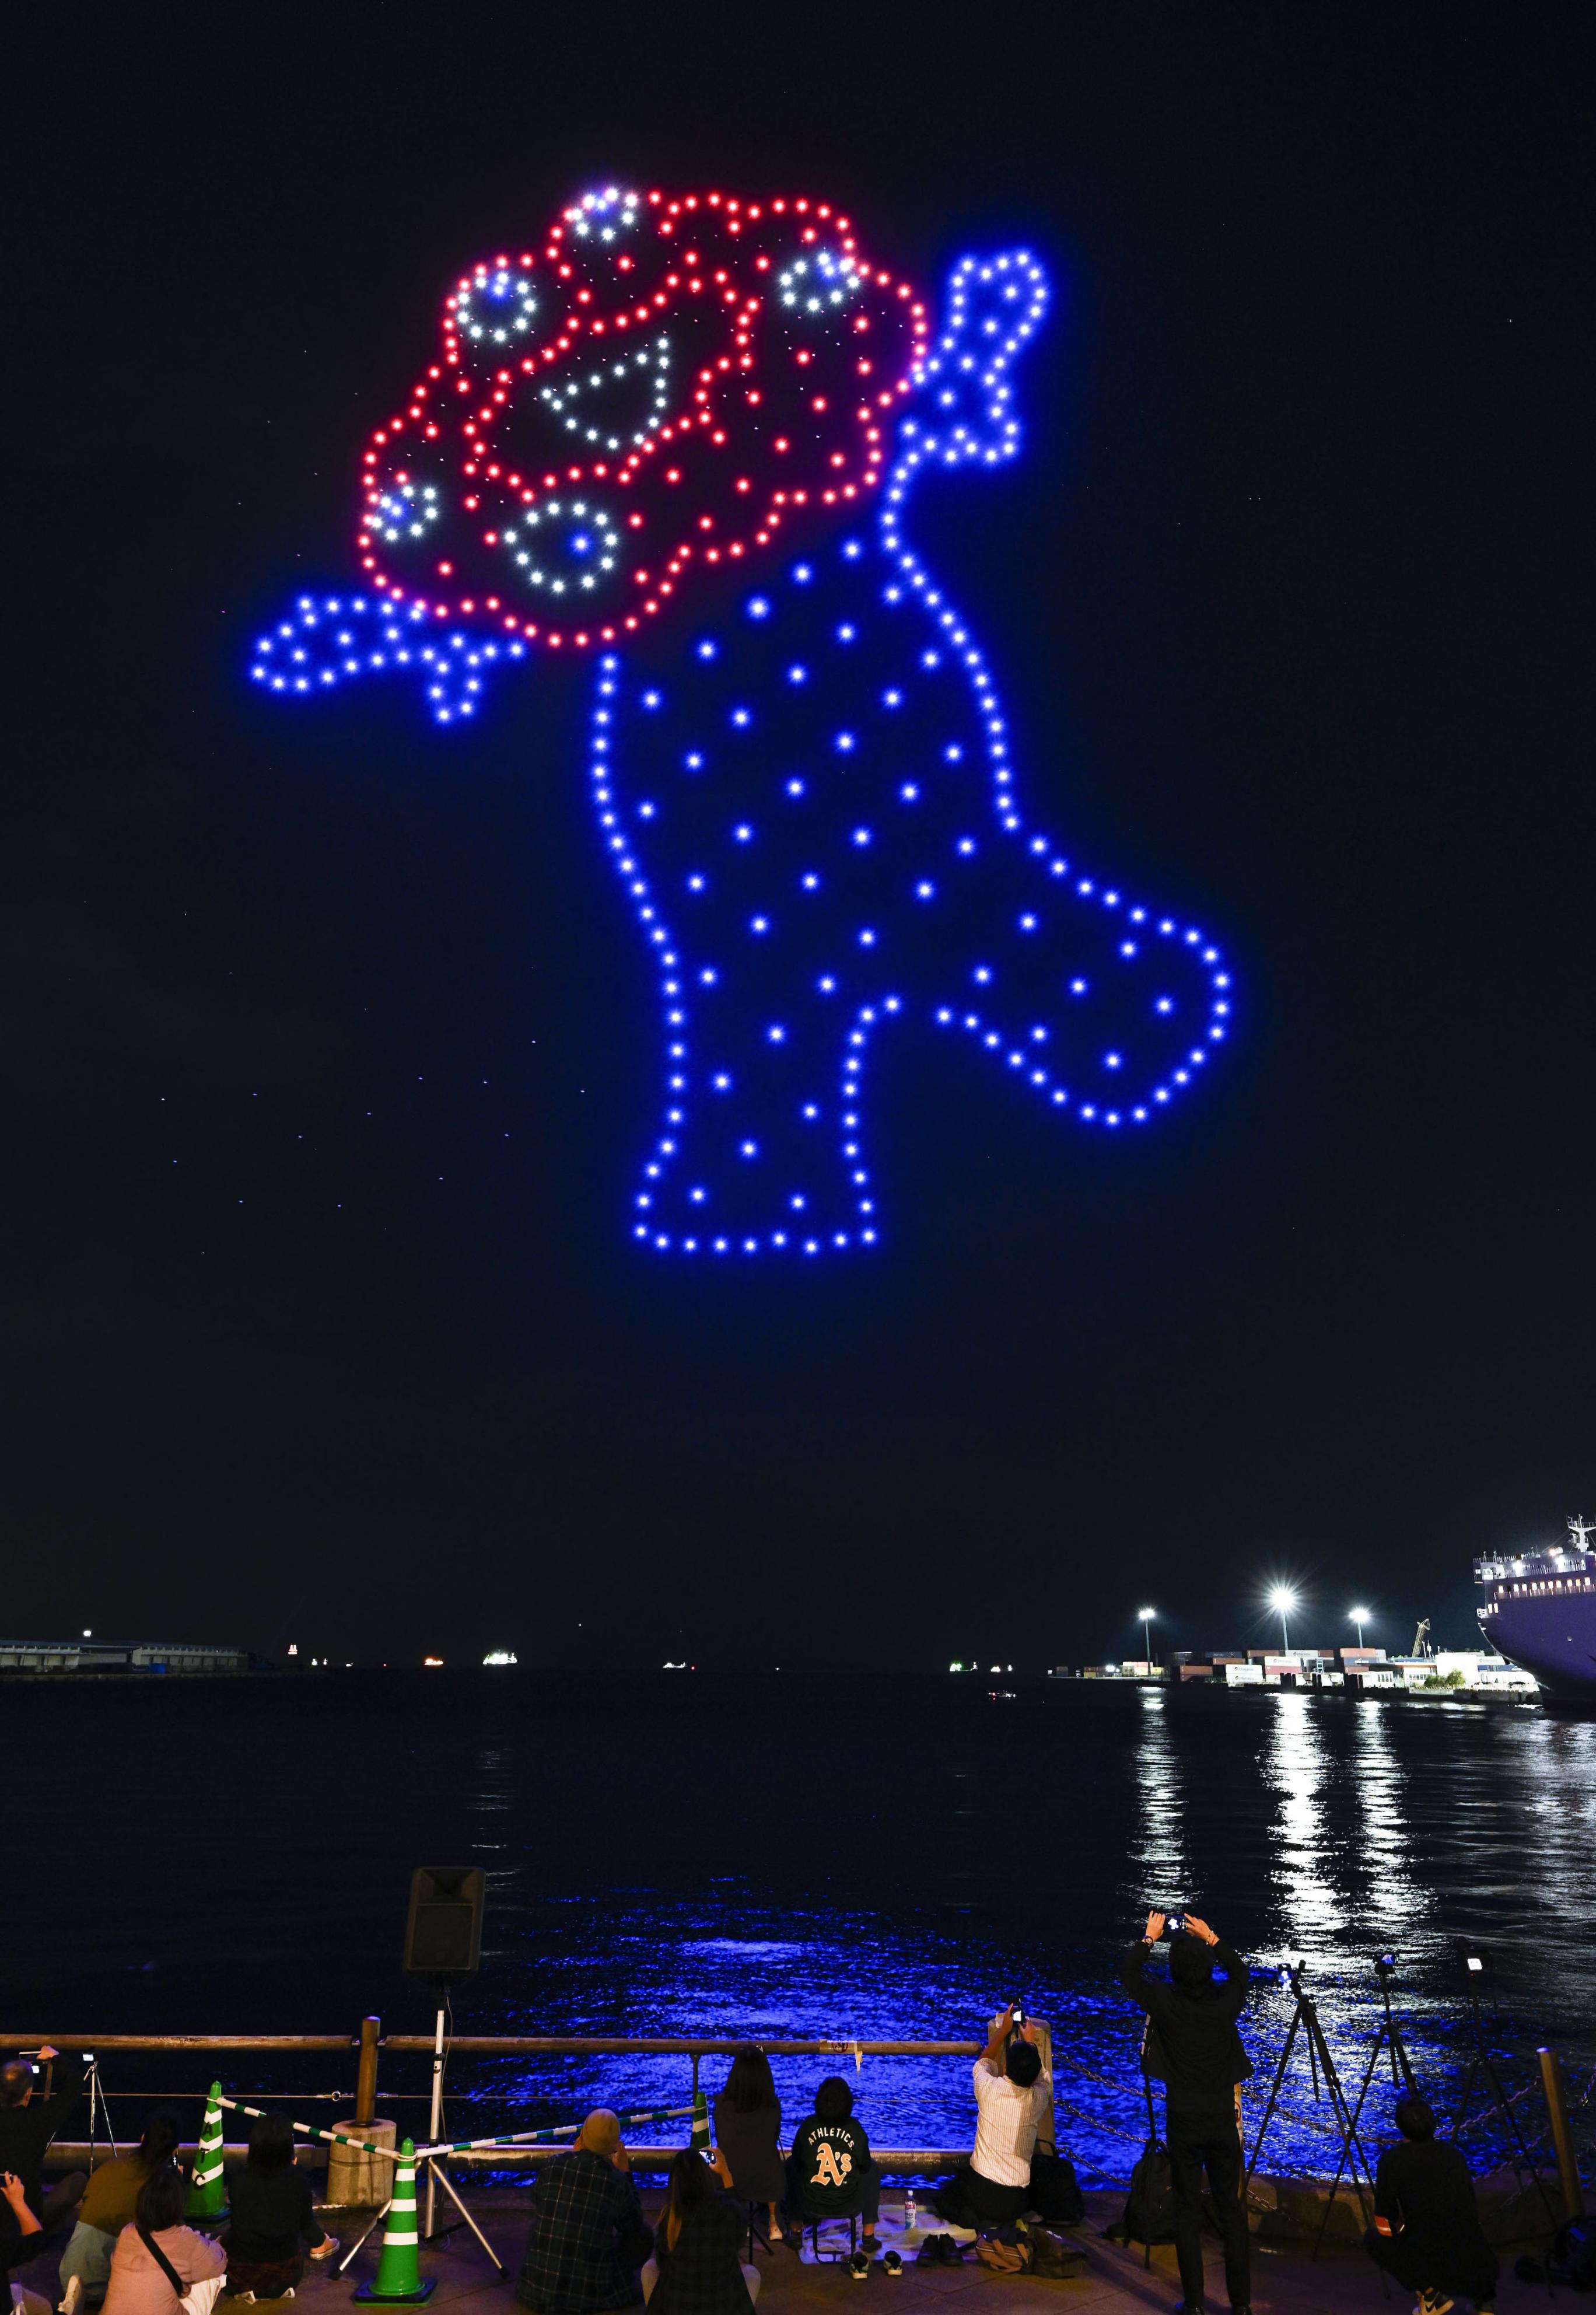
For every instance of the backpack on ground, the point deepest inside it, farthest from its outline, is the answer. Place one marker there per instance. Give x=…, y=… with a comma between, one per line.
x=1149, y=2216
x=1571, y=2260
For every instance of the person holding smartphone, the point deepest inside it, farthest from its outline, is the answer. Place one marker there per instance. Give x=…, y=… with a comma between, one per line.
x=1196, y=2024
x=1012, y=2090
x=27, y=2122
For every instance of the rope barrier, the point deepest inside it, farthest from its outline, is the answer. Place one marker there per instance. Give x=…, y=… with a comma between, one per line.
x=552, y=2136
x=309, y=2130
x=546, y=2137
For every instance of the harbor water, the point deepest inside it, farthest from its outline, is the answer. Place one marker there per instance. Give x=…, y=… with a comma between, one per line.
x=782, y=1857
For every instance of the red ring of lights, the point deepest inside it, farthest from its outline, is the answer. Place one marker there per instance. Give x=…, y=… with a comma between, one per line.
x=747, y=446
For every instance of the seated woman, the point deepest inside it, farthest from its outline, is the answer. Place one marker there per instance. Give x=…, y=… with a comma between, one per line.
x=272, y=2222
x=698, y=2268
x=157, y=2260
x=747, y=2131
x=107, y=2207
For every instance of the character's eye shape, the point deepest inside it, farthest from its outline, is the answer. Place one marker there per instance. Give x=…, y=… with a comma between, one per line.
x=565, y=546
x=404, y=511
x=822, y=283
x=604, y=216
x=616, y=402
x=496, y=307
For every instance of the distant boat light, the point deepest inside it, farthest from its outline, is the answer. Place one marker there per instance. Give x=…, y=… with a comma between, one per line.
x=432, y=1664
x=499, y=1657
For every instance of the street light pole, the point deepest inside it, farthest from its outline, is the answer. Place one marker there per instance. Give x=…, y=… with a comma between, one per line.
x=1359, y=1616
x=1145, y=1617
x=1283, y=1600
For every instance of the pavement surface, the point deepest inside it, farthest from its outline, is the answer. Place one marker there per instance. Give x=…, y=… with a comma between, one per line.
x=1285, y=2283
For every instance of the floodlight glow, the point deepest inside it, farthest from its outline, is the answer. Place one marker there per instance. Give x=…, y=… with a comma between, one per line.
x=1283, y=1600
x=799, y=769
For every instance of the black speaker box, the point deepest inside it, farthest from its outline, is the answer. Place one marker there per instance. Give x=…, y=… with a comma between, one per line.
x=443, y=1929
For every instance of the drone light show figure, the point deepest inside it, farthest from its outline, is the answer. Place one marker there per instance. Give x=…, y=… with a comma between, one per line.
x=681, y=437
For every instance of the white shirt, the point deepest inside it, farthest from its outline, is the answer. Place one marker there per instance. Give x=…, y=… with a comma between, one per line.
x=1006, y=2122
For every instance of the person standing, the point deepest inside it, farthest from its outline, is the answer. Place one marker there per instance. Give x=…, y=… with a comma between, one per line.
x=1196, y=2023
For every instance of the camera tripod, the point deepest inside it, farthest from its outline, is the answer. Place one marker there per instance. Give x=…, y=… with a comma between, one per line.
x=1482, y=2063
x=1305, y=2020
x=1389, y=2041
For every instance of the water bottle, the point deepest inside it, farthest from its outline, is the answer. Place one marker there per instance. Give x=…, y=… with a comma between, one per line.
x=908, y=2210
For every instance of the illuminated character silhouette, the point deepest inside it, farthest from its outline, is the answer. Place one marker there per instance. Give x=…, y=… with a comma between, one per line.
x=682, y=437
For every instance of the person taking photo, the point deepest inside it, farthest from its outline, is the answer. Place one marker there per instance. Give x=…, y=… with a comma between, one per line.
x=1201, y=2059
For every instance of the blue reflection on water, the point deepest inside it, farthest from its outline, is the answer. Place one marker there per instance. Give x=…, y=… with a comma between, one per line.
x=848, y=1860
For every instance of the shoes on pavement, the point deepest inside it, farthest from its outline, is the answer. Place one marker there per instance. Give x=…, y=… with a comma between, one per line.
x=326, y=2249
x=859, y=2266
x=893, y=2263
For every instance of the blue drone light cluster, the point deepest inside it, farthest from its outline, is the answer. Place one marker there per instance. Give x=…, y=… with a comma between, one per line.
x=328, y=641
x=811, y=802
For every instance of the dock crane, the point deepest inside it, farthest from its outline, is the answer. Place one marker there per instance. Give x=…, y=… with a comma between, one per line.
x=1420, y=1637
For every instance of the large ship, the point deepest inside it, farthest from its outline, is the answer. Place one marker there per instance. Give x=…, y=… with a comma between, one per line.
x=1540, y=1611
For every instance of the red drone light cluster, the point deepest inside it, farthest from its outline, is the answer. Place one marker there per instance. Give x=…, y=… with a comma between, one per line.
x=659, y=389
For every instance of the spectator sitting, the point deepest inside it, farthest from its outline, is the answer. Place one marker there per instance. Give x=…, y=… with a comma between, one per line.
x=1426, y=2229
x=27, y=2125
x=748, y=2130
x=107, y=2207
x=830, y=2171
x=698, y=2268
x=272, y=2221
x=589, y=2235
x=24, y=2242
x=1196, y=2024
x=1012, y=2089
x=194, y=2268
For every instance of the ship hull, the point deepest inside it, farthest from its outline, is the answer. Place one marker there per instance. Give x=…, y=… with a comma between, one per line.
x=1552, y=1637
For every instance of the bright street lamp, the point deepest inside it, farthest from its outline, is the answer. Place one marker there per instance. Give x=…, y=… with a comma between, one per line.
x=1283, y=1600
x=1144, y=1617
x=1359, y=1616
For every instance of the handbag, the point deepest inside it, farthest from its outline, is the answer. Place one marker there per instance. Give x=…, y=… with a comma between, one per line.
x=193, y=2298
x=1055, y=2193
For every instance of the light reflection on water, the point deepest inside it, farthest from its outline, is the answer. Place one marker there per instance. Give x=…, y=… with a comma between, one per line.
x=851, y=1859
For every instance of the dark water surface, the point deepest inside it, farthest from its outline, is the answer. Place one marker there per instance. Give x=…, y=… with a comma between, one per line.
x=784, y=1857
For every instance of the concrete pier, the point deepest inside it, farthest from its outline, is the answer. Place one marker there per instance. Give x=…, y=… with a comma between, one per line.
x=1286, y=2281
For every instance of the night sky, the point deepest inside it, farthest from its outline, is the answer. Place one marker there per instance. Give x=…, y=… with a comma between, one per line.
x=330, y=1043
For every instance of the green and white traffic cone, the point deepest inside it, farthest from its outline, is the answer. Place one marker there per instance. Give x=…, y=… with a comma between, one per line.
x=700, y=2137
x=207, y=2189
x=399, y=2280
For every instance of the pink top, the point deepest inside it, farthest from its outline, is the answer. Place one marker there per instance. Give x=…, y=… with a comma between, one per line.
x=136, y=2284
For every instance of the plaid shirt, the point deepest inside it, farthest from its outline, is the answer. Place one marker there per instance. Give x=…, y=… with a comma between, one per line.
x=589, y=2238
x=703, y=2275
